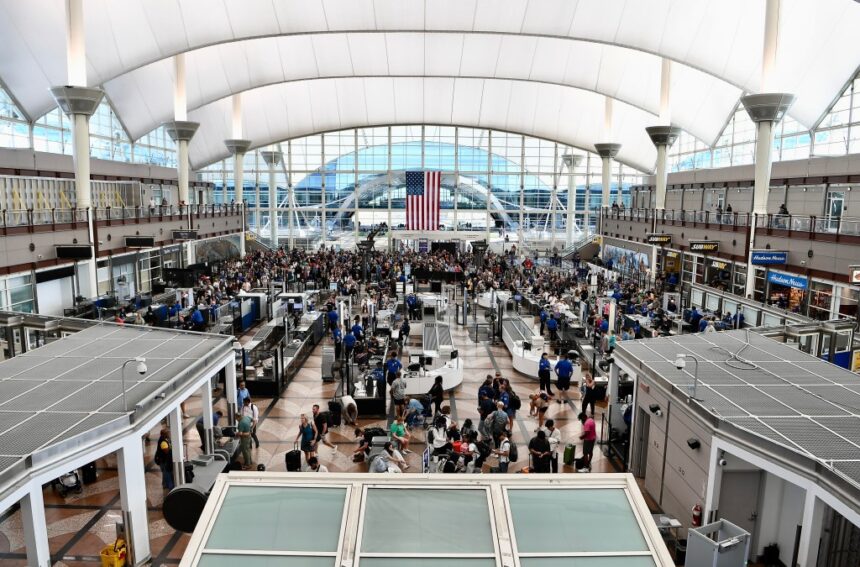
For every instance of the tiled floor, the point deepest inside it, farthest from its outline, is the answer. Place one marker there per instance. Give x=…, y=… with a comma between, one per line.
x=81, y=524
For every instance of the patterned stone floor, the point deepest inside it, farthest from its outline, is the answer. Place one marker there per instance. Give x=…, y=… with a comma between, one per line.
x=81, y=524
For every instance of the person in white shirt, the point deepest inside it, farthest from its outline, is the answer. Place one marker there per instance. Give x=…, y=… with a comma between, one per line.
x=249, y=409
x=315, y=466
x=503, y=452
x=553, y=435
x=439, y=435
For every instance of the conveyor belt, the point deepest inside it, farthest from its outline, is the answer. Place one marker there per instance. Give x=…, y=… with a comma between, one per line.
x=444, y=336
x=518, y=329
x=431, y=340
x=437, y=338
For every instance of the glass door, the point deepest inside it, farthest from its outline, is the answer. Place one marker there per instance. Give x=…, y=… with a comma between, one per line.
x=835, y=206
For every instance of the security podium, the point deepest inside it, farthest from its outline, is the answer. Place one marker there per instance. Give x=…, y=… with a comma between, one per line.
x=720, y=544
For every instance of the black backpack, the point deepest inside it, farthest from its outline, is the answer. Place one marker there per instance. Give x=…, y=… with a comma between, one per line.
x=514, y=401
x=513, y=453
x=372, y=432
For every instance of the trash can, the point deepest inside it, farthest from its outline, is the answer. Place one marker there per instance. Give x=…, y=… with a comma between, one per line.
x=680, y=551
x=114, y=555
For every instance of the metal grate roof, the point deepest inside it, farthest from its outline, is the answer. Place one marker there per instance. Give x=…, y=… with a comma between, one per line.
x=73, y=385
x=768, y=388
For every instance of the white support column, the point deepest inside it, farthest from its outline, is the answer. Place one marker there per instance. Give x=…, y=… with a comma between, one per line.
x=606, y=152
x=238, y=147
x=132, y=492
x=766, y=109
x=272, y=159
x=291, y=197
x=810, y=533
x=174, y=420
x=206, y=401
x=79, y=102
x=181, y=131
x=715, y=482
x=231, y=386
x=35, y=528
x=572, y=162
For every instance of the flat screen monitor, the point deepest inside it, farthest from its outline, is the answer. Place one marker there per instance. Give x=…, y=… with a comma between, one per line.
x=332, y=286
x=297, y=306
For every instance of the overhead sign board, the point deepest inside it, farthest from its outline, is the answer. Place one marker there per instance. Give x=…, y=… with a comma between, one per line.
x=854, y=275
x=660, y=239
x=769, y=257
x=74, y=251
x=139, y=241
x=787, y=280
x=704, y=246
x=184, y=235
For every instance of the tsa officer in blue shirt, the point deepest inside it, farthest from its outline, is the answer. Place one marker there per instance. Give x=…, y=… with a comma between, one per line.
x=337, y=335
x=564, y=371
x=392, y=366
x=349, y=343
x=544, y=369
x=552, y=325
x=357, y=329
x=332, y=319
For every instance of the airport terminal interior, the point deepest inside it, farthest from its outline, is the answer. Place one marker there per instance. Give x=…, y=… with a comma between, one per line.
x=362, y=283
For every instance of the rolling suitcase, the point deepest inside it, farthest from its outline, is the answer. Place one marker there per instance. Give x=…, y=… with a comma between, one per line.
x=89, y=473
x=293, y=460
x=569, y=454
x=334, y=410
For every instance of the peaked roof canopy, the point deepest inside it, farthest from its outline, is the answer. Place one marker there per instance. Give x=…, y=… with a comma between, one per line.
x=538, y=68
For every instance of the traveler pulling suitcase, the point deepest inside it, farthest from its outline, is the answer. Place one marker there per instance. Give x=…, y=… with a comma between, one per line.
x=293, y=459
x=569, y=454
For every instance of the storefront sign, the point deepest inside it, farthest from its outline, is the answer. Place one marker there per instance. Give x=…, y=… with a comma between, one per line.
x=660, y=239
x=719, y=265
x=767, y=257
x=704, y=246
x=854, y=275
x=184, y=235
x=788, y=280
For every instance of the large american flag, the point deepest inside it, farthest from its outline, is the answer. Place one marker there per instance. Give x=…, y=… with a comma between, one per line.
x=422, y=199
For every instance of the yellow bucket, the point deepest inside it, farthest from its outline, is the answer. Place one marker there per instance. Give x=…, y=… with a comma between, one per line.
x=114, y=555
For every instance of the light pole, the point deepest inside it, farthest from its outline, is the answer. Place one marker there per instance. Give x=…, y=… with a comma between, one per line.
x=681, y=363
x=141, y=369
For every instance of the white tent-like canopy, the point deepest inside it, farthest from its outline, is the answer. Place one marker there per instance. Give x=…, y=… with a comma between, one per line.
x=537, y=68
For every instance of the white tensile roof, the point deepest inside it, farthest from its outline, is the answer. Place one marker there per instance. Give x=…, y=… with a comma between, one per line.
x=540, y=68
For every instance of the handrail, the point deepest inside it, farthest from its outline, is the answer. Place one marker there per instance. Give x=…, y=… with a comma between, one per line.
x=812, y=224
x=10, y=218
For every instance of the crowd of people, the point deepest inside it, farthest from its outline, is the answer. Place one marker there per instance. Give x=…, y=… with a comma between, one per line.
x=558, y=291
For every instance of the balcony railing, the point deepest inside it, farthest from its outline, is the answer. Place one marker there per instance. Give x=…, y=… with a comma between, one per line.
x=837, y=225
x=849, y=226
x=42, y=217
x=24, y=218
x=161, y=211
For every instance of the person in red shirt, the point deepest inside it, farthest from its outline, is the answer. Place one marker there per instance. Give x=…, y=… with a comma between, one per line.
x=588, y=436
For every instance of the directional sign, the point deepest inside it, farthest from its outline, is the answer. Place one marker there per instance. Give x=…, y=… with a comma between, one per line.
x=184, y=235
x=854, y=276
x=660, y=239
x=767, y=257
x=704, y=246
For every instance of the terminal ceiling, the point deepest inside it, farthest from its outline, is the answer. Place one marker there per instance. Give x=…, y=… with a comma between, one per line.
x=540, y=68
